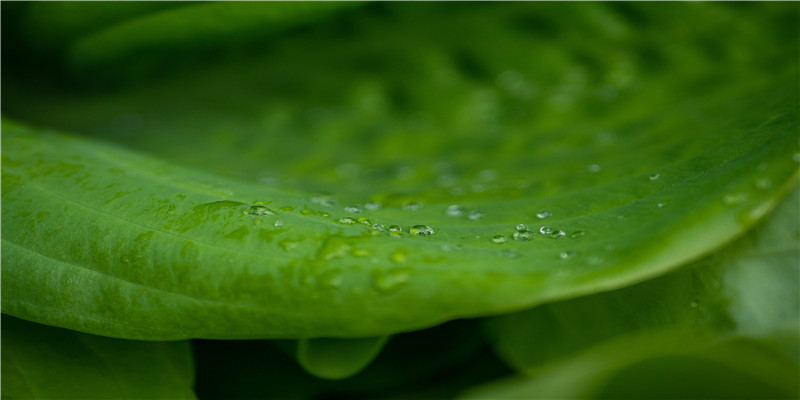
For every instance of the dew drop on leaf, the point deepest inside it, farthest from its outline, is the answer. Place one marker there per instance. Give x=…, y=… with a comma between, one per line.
x=353, y=209
x=278, y=223
x=455, y=210
x=420, y=230
x=557, y=234
x=522, y=227
x=475, y=215
x=654, y=177
x=577, y=234
x=364, y=221
x=522, y=235
x=346, y=221
x=259, y=210
x=546, y=230
x=567, y=254
x=542, y=214
x=498, y=239
x=412, y=206
x=372, y=205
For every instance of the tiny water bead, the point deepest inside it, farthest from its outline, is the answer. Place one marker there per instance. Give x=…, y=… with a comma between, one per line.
x=420, y=230
x=455, y=210
x=364, y=221
x=278, y=223
x=558, y=234
x=475, y=215
x=660, y=205
x=654, y=177
x=577, y=234
x=353, y=209
x=346, y=221
x=567, y=254
x=542, y=214
x=372, y=205
x=395, y=231
x=522, y=227
x=498, y=239
x=546, y=230
x=259, y=210
x=522, y=235
x=412, y=206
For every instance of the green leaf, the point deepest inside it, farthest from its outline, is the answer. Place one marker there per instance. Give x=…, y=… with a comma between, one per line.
x=685, y=158
x=338, y=358
x=42, y=362
x=667, y=366
x=748, y=288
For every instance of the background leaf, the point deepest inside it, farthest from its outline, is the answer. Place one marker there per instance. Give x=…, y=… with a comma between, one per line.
x=42, y=362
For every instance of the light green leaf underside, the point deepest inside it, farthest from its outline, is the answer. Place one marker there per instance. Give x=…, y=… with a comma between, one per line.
x=42, y=362
x=338, y=358
x=748, y=288
x=662, y=174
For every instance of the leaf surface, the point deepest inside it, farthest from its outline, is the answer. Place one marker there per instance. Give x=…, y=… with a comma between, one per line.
x=42, y=362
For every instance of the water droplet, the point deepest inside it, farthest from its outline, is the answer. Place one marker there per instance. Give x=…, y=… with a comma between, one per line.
x=455, y=210
x=377, y=227
x=594, y=168
x=259, y=210
x=546, y=230
x=542, y=214
x=577, y=234
x=353, y=209
x=522, y=235
x=763, y=183
x=499, y=239
x=328, y=202
x=412, y=206
x=346, y=221
x=558, y=234
x=732, y=199
x=660, y=205
x=395, y=231
x=567, y=254
x=522, y=227
x=278, y=223
x=372, y=205
x=388, y=281
x=364, y=221
x=420, y=230
x=475, y=215
x=654, y=177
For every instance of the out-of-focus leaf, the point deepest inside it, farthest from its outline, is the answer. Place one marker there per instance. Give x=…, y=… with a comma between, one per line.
x=338, y=358
x=613, y=190
x=658, y=366
x=43, y=362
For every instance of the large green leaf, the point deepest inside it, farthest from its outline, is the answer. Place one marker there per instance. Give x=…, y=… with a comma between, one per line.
x=644, y=156
x=42, y=362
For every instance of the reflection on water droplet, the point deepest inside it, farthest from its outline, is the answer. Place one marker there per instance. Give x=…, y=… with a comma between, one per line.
x=278, y=223
x=577, y=234
x=395, y=231
x=763, y=183
x=542, y=214
x=377, y=227
x=567, y=254
x=259, y=210
x=353, y=209
x=420, y=230
x=522, y=227
x=364, y=221
x=475, y=214
x=372, y=205
x=454, y=210
x=412, y=206
x=558, y=234
x=346, y=221
x=660, y=205
x=546, y=230
x=594, y=168
x=522, y=235
x=499, y=239
x=734, y=198
x=654, y=177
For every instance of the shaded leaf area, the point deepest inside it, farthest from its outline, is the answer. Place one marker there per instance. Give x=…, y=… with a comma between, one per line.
x=434, y=363
x=726, y=326
x=297, y=165
x=43, y=362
